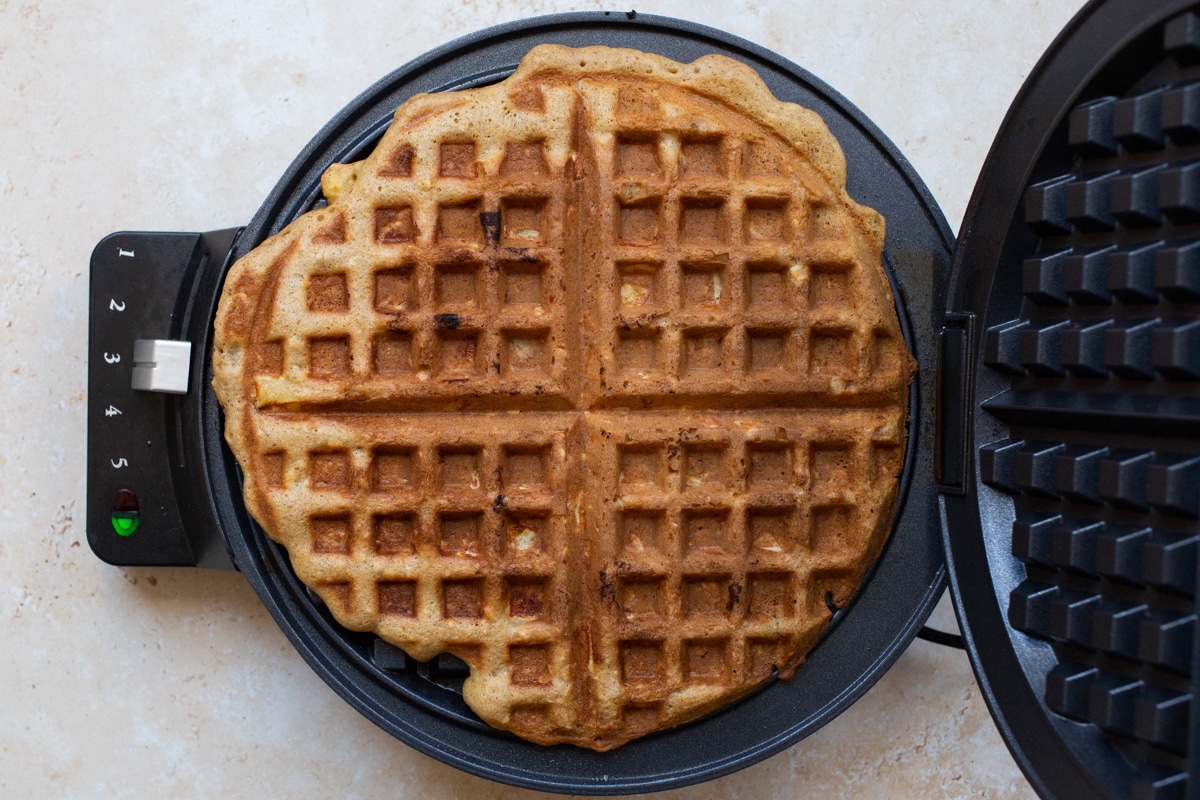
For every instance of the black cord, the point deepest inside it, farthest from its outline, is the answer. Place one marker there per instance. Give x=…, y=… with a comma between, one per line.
x=941, y=637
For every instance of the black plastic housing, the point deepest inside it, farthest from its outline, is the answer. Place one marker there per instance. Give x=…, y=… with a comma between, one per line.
x=150, y=286
x=407, y=699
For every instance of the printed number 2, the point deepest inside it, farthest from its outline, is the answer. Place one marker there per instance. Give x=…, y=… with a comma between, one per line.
x=113, y=305
x=118, y=463
x=112, y=358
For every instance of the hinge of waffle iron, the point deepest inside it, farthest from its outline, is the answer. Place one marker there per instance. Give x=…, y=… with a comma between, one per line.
x=952, y=415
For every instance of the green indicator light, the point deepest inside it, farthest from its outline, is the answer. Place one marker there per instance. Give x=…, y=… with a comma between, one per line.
x=125, y=512
x=125, y=522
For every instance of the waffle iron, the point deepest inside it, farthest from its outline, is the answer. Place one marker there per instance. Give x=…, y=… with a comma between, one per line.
x=1054, y=440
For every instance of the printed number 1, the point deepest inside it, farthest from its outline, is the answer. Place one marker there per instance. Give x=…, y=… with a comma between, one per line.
x=118, y=463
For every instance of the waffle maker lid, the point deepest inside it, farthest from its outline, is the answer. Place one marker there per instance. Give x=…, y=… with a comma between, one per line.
x=1068, y=457
x=1055, y=423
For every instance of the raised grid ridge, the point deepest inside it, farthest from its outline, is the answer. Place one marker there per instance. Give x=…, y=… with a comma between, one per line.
x=1105, y=504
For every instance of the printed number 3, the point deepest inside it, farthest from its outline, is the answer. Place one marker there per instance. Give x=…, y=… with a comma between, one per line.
x=112, y=358
x=118, y=463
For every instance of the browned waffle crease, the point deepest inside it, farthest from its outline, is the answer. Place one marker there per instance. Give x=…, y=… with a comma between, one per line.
x=592, y=378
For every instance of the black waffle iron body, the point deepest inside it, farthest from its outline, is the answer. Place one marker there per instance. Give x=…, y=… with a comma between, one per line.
x=1054, y=439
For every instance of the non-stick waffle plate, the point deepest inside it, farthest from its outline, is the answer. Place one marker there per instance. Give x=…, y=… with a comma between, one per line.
x=417, y=703
x=1072, y=509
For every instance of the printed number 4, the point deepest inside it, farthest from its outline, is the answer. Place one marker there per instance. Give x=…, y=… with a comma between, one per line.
x=112, y=411
x=118, y=463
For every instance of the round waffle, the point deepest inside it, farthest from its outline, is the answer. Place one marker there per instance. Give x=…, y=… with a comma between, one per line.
x=592, y=378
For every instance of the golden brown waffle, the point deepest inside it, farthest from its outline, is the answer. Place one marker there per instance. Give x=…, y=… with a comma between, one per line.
x=592, y=378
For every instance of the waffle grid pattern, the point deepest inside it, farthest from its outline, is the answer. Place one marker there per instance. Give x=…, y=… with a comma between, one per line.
x=437, y=540
x=477, y=272
x=465, y=284
x=723, y=276
x=703, y=538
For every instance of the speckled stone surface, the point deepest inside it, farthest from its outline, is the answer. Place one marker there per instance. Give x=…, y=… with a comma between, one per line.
x=176, y=683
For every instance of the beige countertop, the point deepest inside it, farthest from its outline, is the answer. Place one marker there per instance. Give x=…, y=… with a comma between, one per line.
x=156, y=116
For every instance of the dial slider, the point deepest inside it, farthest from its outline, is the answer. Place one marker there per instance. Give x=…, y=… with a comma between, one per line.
x=161, y=365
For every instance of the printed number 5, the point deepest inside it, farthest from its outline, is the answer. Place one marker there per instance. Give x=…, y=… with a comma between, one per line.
x=112, y=358
x=118, y=463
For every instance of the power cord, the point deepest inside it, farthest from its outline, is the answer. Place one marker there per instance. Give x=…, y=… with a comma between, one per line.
x=942, y=638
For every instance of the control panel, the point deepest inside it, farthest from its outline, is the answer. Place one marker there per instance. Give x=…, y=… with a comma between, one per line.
x=143, y=375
